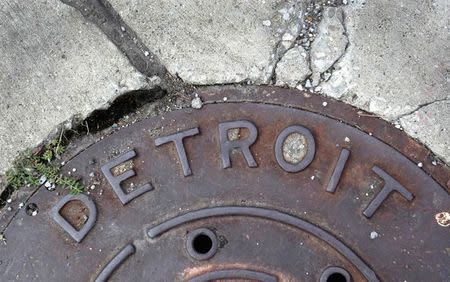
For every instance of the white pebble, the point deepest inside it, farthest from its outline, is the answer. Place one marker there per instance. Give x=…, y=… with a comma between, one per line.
x=74, y=169
x=420, y=164
x=346, y=139
x=197, y=103
x=373, y=235
x=324, y=104
x=326, y=76
x=20, y=205
x=287, y=37
x=434, y=163
x=267, y=23
x=146, y=53
x=225, y=99
x=9, y=200
x=92, y=187
x=312, y=177
x=308, y=84
x=52, y=187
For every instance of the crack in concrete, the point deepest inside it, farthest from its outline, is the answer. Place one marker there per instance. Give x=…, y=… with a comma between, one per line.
x=278, y=51
x=101, y=13
x=419, y=107
x=104, y=17
x=299, y=41
x=331, y=69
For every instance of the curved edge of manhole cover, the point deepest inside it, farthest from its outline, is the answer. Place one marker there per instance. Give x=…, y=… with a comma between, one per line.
x=261, y=183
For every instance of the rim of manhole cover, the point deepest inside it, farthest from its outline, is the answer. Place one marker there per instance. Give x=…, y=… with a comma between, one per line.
x=262, y=183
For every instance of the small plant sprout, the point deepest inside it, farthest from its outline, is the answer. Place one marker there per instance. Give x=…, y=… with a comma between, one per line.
x=33, y=168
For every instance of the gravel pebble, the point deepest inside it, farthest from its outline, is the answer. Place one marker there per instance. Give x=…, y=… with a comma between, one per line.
x=267, y=23
x=373, y=235
x=197, y=103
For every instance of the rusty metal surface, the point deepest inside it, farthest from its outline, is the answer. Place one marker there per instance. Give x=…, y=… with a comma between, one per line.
x=176, y=199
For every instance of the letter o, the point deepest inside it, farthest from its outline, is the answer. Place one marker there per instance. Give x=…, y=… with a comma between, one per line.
x=310, y=144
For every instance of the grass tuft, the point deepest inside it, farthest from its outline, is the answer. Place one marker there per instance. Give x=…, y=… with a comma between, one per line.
x=31, y=167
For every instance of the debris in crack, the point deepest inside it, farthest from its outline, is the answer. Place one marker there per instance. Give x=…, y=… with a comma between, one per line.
x=330, y=43
x=287, y=24
x=312, y=18
x=302, y=31
x=292, y=68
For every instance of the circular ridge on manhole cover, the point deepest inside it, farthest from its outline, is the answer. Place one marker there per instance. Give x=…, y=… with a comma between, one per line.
x=262, y=183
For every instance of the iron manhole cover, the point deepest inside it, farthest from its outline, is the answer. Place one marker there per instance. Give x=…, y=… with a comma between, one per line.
x=261, y=184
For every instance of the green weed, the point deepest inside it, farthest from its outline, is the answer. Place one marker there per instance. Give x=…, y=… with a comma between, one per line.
x=30, y=167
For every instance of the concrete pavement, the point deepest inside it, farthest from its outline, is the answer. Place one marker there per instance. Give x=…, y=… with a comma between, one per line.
x=390, y=58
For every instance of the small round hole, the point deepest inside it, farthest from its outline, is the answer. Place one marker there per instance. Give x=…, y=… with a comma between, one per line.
x=202, y=243
x=336, y=277
x=32, y=209
x=335, y=274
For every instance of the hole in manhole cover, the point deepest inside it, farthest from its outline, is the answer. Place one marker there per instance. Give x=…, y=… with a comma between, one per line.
x=32, y=209
x=266, y=185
